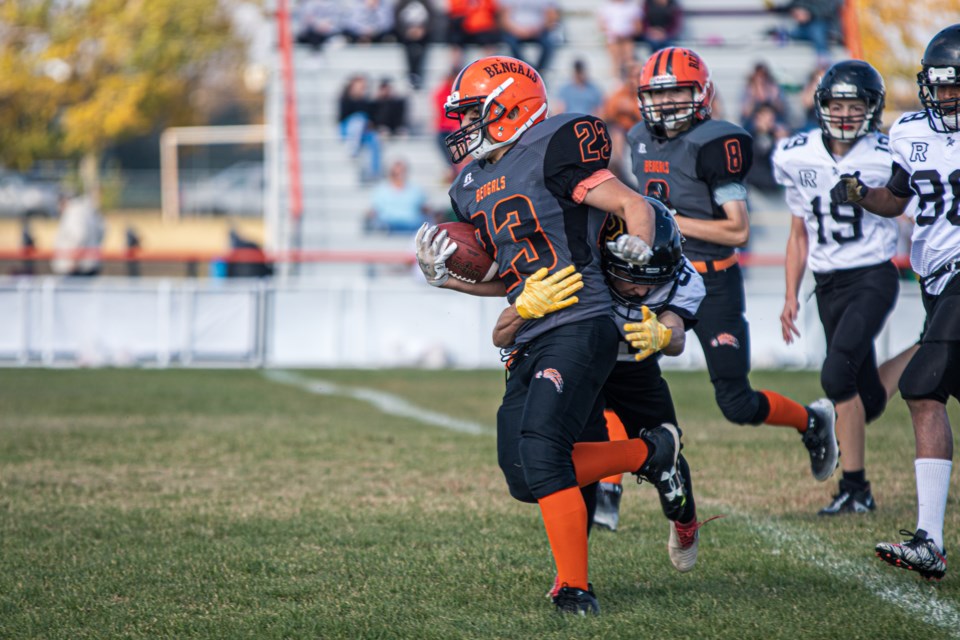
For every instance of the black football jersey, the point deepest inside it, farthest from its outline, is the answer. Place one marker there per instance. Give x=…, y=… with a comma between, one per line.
x=684, y=172
x=527, y=219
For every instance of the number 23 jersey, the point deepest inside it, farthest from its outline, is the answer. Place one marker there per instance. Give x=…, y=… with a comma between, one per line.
x=840, y=236
x=927, y=169
x=526, y=210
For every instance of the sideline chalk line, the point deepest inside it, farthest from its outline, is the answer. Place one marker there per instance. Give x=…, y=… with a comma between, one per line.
x=385, y=402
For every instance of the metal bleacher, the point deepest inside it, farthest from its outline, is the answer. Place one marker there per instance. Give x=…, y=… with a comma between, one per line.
x=729, y=34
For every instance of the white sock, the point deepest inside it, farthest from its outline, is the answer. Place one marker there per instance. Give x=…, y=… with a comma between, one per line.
x=933, y=482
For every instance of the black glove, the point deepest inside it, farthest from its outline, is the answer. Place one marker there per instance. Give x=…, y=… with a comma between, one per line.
x=850, y=189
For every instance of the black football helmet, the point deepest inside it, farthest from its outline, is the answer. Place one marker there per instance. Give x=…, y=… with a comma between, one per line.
x=852, y=79
x=665, y=266
x=941, y=68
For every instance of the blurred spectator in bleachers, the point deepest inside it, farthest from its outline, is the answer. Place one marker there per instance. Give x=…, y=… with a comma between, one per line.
x=389, y=109
x=766, y=129
x=357, y=128
x=807, y=99
x=397, y=205
x=472, y=23
x=442, y=125
x=413, y=19
x=621, y=110
x=580, y=94
x=316, y=21
x=662, y=21
x=369, y=21
x=815, y=21
x=525, y=22
x=621, y=24
x=246, y=258
x=762, y=88
x=76, y=247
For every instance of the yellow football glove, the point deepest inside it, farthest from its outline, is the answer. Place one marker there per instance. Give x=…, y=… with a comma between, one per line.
x=648, y=336
x=542, y=295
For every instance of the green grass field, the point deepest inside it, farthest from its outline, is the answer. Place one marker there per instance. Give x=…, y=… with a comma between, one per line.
x=225, y=504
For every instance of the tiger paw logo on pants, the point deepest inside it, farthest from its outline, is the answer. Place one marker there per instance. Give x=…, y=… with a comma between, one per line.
x=553, y=376
x=726, y=340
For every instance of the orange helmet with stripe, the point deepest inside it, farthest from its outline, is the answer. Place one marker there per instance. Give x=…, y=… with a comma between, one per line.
x=674, y=68
x=510, y=97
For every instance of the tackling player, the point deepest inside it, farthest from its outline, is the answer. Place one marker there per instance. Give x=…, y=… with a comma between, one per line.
x=531, y=191
x=696, y=165
x=635, y=394
x=851, y=258
x=925, y=184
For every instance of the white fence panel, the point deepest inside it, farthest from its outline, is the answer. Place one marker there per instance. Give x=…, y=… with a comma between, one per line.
x=356, y=322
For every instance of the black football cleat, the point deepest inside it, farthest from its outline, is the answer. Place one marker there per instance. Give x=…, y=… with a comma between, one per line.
x=576, y=601
x=661, y=469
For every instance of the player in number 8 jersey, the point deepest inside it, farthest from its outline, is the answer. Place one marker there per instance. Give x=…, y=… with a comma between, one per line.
x=850, y=255
x=926, y=185
x=531, y=191
x=696, y=165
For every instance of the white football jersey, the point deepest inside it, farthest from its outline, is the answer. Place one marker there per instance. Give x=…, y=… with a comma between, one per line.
x=840, y=236
x=933, y=161
x=686, y=299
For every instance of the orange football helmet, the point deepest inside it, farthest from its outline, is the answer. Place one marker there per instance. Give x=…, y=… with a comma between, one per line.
x=674, y=68
x=510, y=97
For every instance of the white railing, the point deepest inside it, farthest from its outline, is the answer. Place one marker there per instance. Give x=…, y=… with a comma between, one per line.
x=353, y=322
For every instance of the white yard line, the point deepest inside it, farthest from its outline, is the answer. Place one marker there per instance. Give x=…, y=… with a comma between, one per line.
x=385, y=402
x=879, y=579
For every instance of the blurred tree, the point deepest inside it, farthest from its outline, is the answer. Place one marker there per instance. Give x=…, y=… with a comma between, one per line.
x=894, y=35
x=78, y=75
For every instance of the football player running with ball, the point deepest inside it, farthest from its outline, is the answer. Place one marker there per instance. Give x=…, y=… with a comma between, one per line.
x=696, y=165
x=531, y=191
x=926, y=185
x=850, y=253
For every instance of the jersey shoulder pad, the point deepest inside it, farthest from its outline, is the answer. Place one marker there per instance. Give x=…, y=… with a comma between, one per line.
x=583, y=137
x=796, y=141
x=910, y=124
x=638, y=131
x=711, y=130
x=911, y=116
x=725, y=158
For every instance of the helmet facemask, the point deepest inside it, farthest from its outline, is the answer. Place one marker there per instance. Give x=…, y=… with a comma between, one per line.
x=846, y=128
x=670, y=116
x=942, y=113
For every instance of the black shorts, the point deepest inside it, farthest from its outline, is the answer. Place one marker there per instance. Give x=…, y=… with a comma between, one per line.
x=934, y=371
x=853, y=305
x=638, y=394
x=722, y=327
x=552, y=394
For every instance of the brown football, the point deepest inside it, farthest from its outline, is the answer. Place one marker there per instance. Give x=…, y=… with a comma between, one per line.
x=469, y=263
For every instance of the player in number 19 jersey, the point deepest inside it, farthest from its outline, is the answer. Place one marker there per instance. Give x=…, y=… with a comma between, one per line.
x=850, y=254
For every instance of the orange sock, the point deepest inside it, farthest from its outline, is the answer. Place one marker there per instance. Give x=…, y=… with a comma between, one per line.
x=595, y=460
x=615, y=431
x=784, y=412
x=565, y=519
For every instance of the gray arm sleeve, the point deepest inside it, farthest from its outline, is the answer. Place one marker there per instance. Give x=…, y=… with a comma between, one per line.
x=729, y=192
